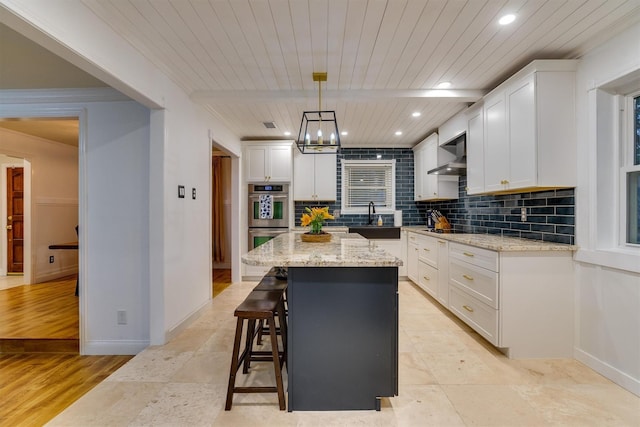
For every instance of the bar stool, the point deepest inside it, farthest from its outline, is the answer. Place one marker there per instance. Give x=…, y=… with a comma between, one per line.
x=271, y=283
x=265, y=306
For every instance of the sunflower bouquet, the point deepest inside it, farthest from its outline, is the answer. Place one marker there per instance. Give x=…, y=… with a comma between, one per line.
x=315, y=217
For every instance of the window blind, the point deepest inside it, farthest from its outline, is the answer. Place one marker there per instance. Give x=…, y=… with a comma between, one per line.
x=368, y=181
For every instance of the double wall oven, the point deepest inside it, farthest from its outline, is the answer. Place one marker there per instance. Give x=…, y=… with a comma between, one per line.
x=268, y=209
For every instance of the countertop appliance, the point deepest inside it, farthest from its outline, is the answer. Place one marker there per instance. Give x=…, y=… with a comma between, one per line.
x=268, y=210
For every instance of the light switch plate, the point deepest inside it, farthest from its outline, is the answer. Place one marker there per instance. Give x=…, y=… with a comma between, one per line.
x=193, y=193
x=180, y=191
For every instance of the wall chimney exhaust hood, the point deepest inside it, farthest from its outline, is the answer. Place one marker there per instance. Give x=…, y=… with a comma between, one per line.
x=457, y=166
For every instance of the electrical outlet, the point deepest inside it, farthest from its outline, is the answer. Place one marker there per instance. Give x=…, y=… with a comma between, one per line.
x=336, y=213
x=193, y=193
x=50, y=259
x=122, y=317
x=523, y=214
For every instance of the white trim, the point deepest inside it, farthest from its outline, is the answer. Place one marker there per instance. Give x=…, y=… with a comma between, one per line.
x=112, y=347
x=615, y=375
x=619, y=259
x=374, y=163
x=60, y=96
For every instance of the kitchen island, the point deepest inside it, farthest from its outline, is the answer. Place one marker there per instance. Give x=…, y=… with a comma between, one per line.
x=343, y=320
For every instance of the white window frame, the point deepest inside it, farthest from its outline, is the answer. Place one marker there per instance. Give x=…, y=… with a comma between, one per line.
x=627, y=141
x=348, y=210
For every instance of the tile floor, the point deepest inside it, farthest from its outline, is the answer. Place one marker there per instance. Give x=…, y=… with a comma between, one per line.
x=449, y=376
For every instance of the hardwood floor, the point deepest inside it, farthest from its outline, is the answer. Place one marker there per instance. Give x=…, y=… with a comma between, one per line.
x=43, y=310
x=221, y=280
x=35, y=387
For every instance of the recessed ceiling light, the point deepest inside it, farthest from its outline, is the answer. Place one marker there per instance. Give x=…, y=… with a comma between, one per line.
x=444, y=85
x=416, y=114
x=287, y=133
x=507, y=19
x=398, y=132
x=344, y=133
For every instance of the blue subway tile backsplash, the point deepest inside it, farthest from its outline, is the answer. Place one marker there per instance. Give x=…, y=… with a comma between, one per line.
x=550, y=213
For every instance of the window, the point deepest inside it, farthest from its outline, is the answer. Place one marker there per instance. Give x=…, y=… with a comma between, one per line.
x=365, y=181
x=631, y=171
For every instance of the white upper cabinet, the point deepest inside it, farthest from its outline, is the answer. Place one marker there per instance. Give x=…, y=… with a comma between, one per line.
x=429, y=155
x=453, y=127
x=314, y=176
x=268, y=162
x=529, y=131
x=475, y=150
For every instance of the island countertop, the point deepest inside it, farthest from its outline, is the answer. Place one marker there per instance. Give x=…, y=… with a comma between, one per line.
x=344, y=250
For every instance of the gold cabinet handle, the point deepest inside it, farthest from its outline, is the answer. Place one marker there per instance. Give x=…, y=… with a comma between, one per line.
x=468, y=254
x=467, y=277
x=426, y=250
x=469, y=309
x=426, y=278
x=442, y=241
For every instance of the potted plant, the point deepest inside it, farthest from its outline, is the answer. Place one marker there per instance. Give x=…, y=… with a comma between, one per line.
x=315, y=217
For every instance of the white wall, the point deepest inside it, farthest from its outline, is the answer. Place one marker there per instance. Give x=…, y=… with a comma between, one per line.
x=53, y=201
x=608, y=279
x=176, y=257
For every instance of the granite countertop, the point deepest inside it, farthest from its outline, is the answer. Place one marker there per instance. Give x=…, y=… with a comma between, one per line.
x=344, y=250
x=495, y=242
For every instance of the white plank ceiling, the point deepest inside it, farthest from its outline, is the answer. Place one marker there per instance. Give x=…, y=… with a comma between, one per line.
x=251, y=61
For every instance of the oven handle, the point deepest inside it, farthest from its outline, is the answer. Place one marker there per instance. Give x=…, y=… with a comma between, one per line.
x=256, y=196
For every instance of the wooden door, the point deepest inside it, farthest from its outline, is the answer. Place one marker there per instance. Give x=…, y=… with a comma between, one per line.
x=15, y=220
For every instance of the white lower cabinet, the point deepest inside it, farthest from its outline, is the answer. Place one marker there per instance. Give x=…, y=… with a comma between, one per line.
x=394, y=247
x=425, y=258
x=519, y=301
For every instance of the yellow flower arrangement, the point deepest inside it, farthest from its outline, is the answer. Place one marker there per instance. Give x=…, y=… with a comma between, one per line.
x=315, y=217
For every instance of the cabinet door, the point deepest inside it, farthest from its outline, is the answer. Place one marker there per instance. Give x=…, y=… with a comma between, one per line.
x=279, y=163
x=418, y=172
x=496, y=144
x=303, y=176
x=428, y=278
x=443, y=272
x=521, y=116
x=412, y=257
x=256, y=163
x=430, y=182
x=475, y=153
x=325, y=176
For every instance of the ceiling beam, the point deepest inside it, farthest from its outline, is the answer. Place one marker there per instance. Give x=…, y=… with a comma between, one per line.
x=251, y=96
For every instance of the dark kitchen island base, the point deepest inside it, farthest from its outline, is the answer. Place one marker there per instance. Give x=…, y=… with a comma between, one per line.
x=343, y=337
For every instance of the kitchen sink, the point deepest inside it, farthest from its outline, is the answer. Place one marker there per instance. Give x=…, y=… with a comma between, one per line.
x=376, y=232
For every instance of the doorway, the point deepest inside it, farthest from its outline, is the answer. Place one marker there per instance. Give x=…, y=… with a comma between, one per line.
x=221, y=224
x=38, y=304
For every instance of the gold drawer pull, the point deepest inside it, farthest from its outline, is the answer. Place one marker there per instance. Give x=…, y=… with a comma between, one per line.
x=467, y=254
x=425, y=278
x=469, y=309
x=442, y=241
x=467, y=277
x=426, y=250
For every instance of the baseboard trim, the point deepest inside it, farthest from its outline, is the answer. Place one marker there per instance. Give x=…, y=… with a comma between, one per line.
x=617, y=376
x=172, y=333
x=120, y=348
x=59, y=274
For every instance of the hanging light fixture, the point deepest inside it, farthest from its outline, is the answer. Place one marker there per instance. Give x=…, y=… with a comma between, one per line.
x=318, y=129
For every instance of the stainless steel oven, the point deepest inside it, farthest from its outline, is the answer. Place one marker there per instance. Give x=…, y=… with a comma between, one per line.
x=258, y=236
x=268, y=205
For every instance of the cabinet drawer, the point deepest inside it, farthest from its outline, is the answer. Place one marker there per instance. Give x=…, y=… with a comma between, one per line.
x=483, y=319
x=477, y=281
x=428, y=250
x=428, y=278
x=477, y=256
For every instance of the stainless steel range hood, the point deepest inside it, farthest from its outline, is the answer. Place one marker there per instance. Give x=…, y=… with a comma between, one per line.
x=458, y=166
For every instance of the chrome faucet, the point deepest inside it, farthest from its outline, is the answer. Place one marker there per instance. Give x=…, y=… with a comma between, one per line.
x=371, y=206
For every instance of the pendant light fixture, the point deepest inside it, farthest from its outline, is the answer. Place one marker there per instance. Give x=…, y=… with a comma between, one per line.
x=318, y=129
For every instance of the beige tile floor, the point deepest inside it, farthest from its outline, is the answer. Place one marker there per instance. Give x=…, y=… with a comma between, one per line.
x=449, y=376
